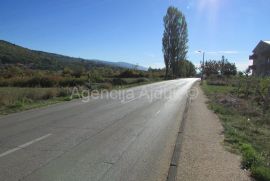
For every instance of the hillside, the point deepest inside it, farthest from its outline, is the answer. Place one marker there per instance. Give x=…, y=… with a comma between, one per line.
x=14, y=54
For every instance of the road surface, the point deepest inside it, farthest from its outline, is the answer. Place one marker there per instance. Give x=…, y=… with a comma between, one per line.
x=127, y=136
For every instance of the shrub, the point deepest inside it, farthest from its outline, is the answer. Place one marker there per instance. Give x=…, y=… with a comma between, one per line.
x=261, y=173
x=72, y=82
x=15, y=105
x=3, y=83
x=50, y=94
x=107, y=86
x=119, y=81
x=63, y=92
x=130, y=74
x=95, y=77
x=140, y=80
x=250, y=157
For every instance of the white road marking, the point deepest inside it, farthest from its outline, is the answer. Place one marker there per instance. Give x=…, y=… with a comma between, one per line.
x=157, y=112
x=24, y=145
x=124, y=102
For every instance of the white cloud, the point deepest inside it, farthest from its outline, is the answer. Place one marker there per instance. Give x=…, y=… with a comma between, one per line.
x=220, y=52
x=242, y=65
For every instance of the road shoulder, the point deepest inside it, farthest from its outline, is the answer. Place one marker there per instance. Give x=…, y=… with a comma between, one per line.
x=203, y=157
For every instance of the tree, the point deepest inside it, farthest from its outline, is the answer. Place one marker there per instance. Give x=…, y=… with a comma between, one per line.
x=211, y=67
x=175, y=39
x=191, y=70
x=222, y=67
x=227, y=68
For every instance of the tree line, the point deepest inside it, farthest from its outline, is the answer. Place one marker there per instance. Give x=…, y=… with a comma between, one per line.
x=219, y=67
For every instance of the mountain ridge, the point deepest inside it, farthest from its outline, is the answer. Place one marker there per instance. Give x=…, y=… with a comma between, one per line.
x=11, y=53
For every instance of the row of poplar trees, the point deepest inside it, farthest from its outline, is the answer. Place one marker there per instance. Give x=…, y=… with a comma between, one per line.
x=175, y=48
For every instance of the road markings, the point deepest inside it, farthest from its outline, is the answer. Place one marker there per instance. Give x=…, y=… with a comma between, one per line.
x=124, y=102
x=24, y=145
x=157, y=112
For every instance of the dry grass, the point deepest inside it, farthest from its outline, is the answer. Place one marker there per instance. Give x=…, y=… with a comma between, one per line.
x=15, y=99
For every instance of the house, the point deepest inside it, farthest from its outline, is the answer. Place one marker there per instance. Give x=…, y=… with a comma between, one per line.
x=261, y=59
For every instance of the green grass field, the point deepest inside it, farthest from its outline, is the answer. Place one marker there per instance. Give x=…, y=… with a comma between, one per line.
x=247, y=131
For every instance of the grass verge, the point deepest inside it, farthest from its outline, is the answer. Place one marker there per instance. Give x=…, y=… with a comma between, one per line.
x=246, y=131
x=16, y=99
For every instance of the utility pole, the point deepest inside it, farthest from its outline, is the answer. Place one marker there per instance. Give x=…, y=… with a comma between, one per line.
x=202, y=69
x=200, y=51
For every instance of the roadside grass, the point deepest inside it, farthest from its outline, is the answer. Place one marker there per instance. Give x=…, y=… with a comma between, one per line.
x=133, y=82
x=247, y=134
x=15, y=99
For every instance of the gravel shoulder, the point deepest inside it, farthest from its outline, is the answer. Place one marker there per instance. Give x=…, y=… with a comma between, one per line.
x=203, y=156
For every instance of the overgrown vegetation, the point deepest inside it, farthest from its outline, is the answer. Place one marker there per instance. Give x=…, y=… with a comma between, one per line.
x=242, y=103
x=31, y=78
x=22, y=88
x=18, y=99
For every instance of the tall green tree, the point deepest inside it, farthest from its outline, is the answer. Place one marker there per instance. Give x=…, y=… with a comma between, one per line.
x=175, y=39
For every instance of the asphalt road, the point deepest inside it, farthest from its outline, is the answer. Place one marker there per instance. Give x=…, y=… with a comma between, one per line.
x=127, y=136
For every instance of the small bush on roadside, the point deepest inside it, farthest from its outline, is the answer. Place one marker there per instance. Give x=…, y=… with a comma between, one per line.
x=216, y=80
x=63, y=92
x=107, y=86
x=250, y=156
x=72, y=82
x=119, y=81
x=51, y=93
x=67, y=99
x=140, y=80
x=261, y=173
x=15, y=105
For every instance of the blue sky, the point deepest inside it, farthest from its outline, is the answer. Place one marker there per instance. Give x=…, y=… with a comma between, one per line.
x=131, y=31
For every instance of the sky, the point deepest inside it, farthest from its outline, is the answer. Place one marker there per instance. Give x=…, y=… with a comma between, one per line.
x=131, y=30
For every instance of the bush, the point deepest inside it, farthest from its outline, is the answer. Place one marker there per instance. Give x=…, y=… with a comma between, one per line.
x=130, y=74
x=140, y=80
x=51, y=93
x=3, y=83
x=107, y=86
x=17, y=104
x=72, y=82
x=63, y=92
x=250, y=157
x=119, y=81
x=261, y=173
x=95, y=77
x=217, y=80
x=42, y=82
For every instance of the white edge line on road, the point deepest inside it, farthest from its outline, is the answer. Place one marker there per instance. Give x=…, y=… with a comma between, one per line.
x=24, y=145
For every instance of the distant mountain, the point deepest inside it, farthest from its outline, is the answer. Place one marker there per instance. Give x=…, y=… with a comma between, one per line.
x=14, y=54
x=124, y=65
